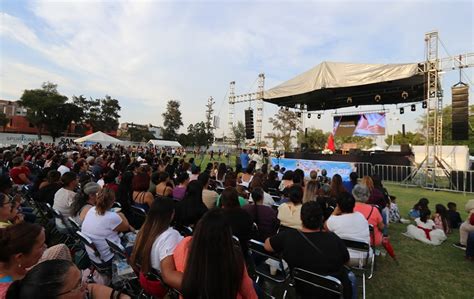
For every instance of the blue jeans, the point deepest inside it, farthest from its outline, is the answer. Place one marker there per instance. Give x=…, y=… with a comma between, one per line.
x=470, y=245
x=353, y=280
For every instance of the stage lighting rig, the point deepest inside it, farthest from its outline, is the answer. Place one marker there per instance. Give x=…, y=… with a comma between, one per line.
x=319, y=115
x=349, y=100
x=404, y=95
x=424, y=105
x=402, y=110
x=309, y=115
x=413, y=107
x=377, y=98
x=298, y=114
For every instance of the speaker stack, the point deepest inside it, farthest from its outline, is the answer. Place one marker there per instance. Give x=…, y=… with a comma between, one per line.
x=249, y=128
x=460, y=113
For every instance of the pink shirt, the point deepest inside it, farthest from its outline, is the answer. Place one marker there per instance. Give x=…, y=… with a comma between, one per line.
x=180, y=254
x=374, y=219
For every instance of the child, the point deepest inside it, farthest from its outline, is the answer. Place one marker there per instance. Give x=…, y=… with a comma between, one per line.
x=454, y=218
x=394, y=213
x=425, y=230
x=440, y=218
x=421, y=204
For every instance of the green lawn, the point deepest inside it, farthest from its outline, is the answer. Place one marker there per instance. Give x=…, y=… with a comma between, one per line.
x=424, y=271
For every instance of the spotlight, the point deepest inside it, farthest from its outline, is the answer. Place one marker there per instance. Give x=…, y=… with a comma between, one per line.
x=404, y=95
x=349, y=100
x=377, y=98
x=357, y=106
x=424, y=105
x=319, y=116
x=413, y=107
x=298, y=114
x=309, y=115
x=287, y=108
x=402, y=110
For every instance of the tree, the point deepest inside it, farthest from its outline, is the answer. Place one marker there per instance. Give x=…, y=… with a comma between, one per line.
x=413, y=138
x=60, y=117
x=3, y=120
x=184, y=139
x=171, y=120
x=315, y=138
x=197, y=134
x=139, y=134
x=209, y=119
x=362, y=142
x=284, y=124
x=41, y=105
x=100, y=114
x=447, y=128
x=238, y=134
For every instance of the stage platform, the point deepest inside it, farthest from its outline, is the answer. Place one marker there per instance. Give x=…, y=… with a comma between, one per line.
x=387, y=158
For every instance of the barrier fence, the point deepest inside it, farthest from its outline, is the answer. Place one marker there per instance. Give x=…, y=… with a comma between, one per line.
x=430, y=178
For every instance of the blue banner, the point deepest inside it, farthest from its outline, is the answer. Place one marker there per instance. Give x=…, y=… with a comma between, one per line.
x=342, y=168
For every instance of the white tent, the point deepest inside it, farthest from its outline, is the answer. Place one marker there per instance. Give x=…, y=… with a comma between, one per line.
x=164, y=143
x=98, y=137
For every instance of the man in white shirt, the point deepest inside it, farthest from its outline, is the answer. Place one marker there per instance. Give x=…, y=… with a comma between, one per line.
x=66, y=165
x=257, y=158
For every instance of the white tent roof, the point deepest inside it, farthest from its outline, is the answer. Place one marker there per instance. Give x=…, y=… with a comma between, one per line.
x=157, y=142
x=98, y=137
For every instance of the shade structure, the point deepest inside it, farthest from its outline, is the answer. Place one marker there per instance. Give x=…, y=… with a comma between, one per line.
x=164, y=143
x=98, y=137
x=332, y=85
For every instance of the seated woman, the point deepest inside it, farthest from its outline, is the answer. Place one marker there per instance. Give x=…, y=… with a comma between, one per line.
x=154, y=247
x=231, y=181
x=212, y=266
x=262, y=215
x=348, y=225
x=65, y=197
x=289, y=212
x=191, y=208
x=141, y=197
x=440, y=218
x=425, y=230
x=247, y=176
x=286, y=180
x=311, y=191
x=271, y=182
x=420, y=205
x=85, y=200
x=313, y=249
x=58, y=279
x=257, y=182
x=182, y=180
x=372, y=214
x=9, y=213
x=48, y=189
x=100, y=223
x=164, y=187
x=21, y=247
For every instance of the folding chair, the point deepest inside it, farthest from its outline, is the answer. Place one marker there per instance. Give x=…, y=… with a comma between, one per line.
x=138, y=215
x=154, y=275
x=262, y=269
x=87, y=242
x=365, y=264
x=130, y=283
x=316, y=282
x=183, y=230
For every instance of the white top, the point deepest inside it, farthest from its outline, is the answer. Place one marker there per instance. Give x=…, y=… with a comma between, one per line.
x=63, y=200
x=258, y=159
x=98, y=228
x=428, y=225
x=63, y=169
x=164, y=246
x=290, y=215
x=351, y=226
x=267, y=199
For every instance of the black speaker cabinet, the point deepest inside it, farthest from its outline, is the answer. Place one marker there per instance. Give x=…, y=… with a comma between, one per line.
x=460, y=113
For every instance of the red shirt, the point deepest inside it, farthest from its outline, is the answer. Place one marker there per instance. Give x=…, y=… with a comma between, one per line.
x=15, y=174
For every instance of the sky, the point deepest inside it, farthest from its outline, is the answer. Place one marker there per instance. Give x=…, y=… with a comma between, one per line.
x=144, y=53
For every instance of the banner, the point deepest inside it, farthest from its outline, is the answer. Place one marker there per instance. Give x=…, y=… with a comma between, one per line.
x=366, y=124
x=344, y=169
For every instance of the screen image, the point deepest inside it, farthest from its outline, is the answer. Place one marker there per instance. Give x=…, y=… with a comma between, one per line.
x=366, y=124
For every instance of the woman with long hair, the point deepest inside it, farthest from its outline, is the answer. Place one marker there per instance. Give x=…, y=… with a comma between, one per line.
x=85, y=199
x=310, y=191
x=191, y=208
x=124, y=193
x=141, y=196
x=154, y=246
x=221, y=171
x=212, y=266
x=337, y=188
x=163, y=187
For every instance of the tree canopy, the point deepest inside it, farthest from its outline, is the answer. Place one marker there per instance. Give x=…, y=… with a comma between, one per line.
x=172, y=120
x=285, y=122
x=238, y=134
x=100, y=114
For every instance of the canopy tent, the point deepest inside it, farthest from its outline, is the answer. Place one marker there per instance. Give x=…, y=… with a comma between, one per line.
x=332, y=85
x=98, y=137
x=164, y=143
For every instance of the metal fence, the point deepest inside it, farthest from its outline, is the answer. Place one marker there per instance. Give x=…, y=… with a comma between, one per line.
x=430, y=178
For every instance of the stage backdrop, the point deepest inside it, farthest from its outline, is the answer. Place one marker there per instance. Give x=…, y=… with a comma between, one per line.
x=342, y=168
x=366, y=124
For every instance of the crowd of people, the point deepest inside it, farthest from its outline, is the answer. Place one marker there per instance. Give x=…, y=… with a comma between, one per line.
x=303, y=219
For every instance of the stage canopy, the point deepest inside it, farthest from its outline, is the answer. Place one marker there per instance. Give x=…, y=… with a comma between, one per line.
x=164, y=143
x=98, y=137
x=330, y=84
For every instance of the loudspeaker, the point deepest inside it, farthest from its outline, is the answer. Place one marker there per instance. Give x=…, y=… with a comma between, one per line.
x=249, y=130
x=460, y=113
x=304, y=147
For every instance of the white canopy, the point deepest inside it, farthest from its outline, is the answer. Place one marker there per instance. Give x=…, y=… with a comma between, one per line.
x=98, y=137
x=163, y=143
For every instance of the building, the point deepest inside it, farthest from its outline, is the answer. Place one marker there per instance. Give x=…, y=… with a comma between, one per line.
x=155, y=130
x=17, y=115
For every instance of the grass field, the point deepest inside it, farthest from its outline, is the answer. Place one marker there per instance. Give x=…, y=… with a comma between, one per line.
x=423, y=271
